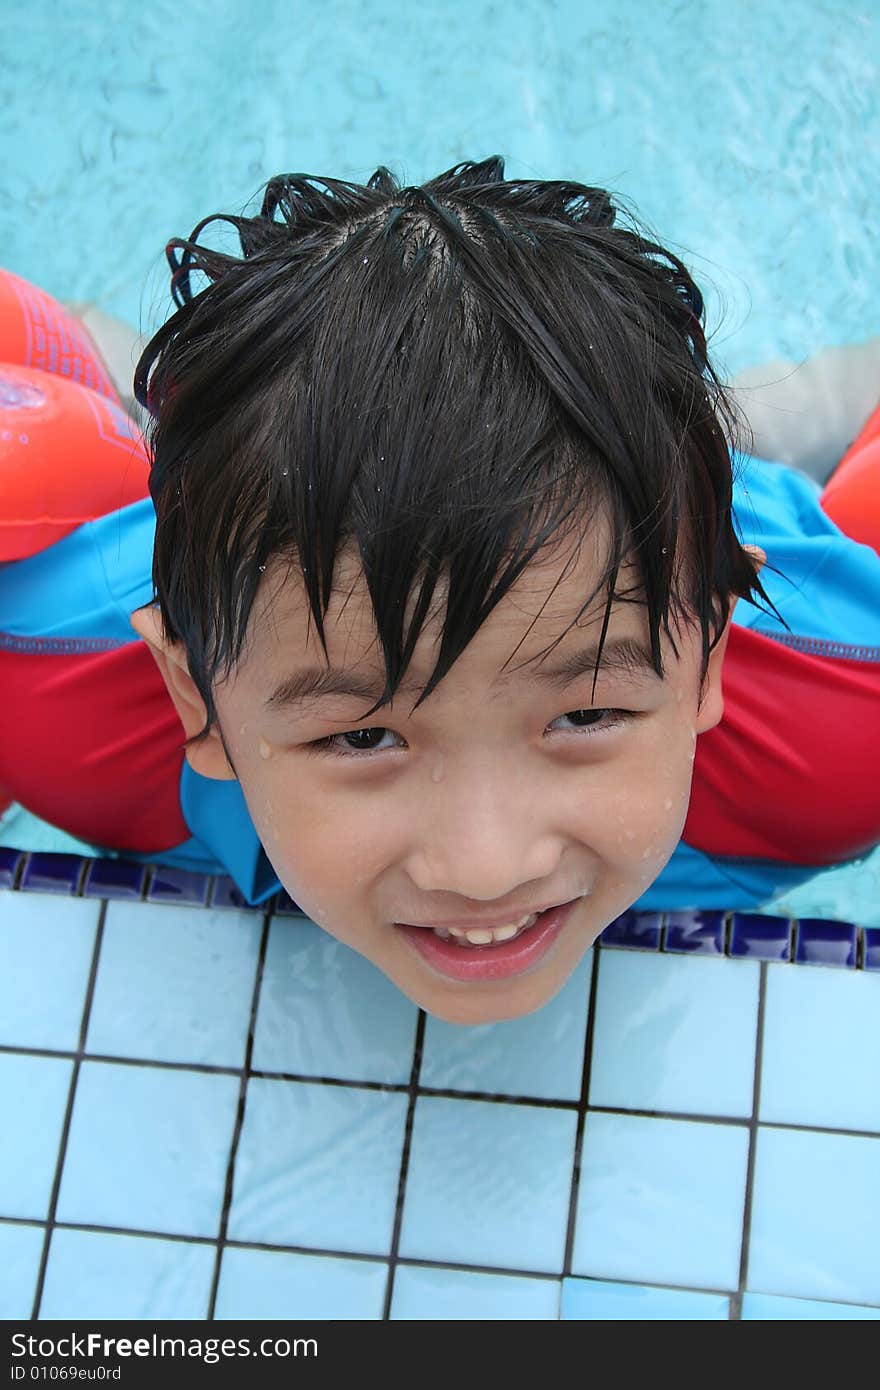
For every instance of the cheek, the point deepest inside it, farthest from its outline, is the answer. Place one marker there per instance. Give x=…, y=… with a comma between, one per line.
x=325, y=849
x=638, y=822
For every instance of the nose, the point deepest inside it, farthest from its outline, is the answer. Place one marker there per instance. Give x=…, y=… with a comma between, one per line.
x=484, y=841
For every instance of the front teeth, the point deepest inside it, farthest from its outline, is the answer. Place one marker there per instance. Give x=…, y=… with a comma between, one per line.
x=484, y=936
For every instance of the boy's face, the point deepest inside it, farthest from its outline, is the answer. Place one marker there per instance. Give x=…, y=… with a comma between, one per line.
x=505, y=793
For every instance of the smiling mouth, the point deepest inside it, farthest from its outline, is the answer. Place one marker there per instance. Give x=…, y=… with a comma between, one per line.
x=498, y=953
x=485, y=936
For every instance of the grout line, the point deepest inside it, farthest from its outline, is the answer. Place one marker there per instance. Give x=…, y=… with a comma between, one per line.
x=239, y=1119
x=151, y=871
x=404, y=1162
x=500, y=1098
x=68, y=1113
x=686, y=1115
x=19, y=872
x=365, y=1257
x=413, y=1089
x=736, y=1300
x=403, y=1088
x=582, y=1113
x=81, y=878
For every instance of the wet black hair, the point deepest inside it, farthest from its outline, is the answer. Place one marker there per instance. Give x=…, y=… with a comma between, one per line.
x=448, y=376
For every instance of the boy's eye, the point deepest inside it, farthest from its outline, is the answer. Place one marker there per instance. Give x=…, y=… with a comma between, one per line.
x=356, y=741
x=599, y=719
x=379, y=740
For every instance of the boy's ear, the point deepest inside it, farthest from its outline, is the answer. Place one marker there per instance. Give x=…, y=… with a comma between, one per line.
x=209, y=756
x=712, y=697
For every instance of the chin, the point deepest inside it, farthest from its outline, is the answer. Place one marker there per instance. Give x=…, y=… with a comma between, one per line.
x=472, y=1010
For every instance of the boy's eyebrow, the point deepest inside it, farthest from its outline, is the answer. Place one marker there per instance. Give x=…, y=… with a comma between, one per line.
x=625, y=657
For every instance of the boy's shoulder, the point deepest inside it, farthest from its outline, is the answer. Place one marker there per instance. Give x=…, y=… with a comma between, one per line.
x=78, y=594
x=784, y=786
x=825, y=584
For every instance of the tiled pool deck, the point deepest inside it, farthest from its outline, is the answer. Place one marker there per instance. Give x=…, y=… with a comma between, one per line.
x=212, y=1111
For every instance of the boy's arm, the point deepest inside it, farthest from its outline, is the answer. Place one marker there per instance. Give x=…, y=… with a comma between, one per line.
x=120, y=347
x=808, y=415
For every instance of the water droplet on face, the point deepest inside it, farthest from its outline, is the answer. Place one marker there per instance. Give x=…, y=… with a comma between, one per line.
x=437, y=773
x=265, y=749
x=668, y=804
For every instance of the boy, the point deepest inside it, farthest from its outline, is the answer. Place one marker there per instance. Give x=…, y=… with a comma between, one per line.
x=445, y=544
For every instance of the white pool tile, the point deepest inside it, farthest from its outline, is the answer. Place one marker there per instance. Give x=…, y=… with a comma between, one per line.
x=661, y=1201
x=675, y=1033
x=258, y=1284
x=46, y=946
x=424, y=1293
x=488, y=1184
x=821, y=1052
x=148, y=1149
x=540, y=1055
x=767, y=1307
x=318, y=1166
x=33, y=1100
x=596, y=1300
x=21, y=1248
x=91, y=1274
x=815, y=1229
x=174, y=985
x=326, y=1011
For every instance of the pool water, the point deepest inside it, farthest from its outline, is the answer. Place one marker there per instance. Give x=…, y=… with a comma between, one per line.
x=219, y=1112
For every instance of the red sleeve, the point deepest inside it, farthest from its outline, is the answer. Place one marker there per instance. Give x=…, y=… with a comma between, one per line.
x=792, y=772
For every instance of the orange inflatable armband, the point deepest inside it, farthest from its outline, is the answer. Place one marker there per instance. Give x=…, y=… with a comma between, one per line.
x=37, y=331
x=852, y=494
x=67, y=455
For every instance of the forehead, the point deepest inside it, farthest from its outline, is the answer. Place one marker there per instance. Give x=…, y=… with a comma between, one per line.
x=546, y=599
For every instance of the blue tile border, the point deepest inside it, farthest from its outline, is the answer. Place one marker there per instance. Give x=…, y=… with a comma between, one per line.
x=224, y=893
x=871, y=958
x=701, y=932
x=754, y=937
x=640, y=930
x=820, y=942
x=284, y=906
x=114, y=878
x=10, y=859
x=736, y=935
x=178, y=886
x=52, y=873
